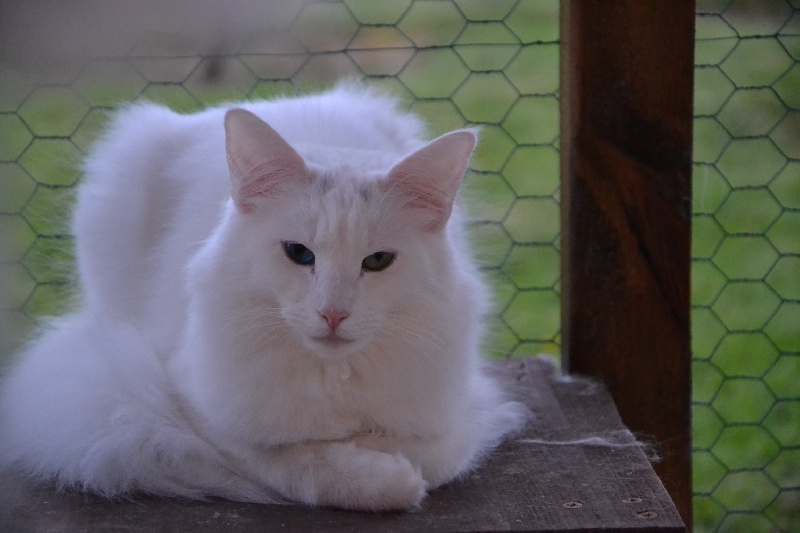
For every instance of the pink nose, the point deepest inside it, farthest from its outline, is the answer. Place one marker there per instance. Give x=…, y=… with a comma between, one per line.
x=334, y=317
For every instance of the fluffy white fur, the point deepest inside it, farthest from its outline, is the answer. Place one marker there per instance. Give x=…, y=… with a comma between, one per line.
x=204, y=361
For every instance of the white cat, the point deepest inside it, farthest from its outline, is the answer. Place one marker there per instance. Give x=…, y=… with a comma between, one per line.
x=278, y=303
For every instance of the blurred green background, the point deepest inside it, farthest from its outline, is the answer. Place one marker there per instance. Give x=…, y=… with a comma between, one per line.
x=494, y=63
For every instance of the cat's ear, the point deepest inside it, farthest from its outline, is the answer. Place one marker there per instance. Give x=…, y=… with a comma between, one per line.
x=428, y=179
x=260, y=161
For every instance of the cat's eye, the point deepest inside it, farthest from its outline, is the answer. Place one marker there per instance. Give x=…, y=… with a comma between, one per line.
x=298, y=253
x=377, y=261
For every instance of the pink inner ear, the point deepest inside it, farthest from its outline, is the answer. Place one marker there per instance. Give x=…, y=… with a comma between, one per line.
x=263, y=179
x=428, y=179
x=260, y=161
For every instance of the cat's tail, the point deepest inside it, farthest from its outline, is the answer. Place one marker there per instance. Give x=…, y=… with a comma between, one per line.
x=89, y=406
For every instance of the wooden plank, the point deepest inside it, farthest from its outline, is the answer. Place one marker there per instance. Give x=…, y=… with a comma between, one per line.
x=524, y=486
x=626, y=93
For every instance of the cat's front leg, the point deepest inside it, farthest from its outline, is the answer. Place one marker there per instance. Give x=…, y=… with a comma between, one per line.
x=440, y=458
x=342, y=474
x=452, y=450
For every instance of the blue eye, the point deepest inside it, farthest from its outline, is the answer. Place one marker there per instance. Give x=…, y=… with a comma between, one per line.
x=298, y=253
x=378, y=261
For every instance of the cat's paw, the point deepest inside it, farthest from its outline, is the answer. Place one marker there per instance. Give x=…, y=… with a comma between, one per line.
x=376, y=481
x=403, y=485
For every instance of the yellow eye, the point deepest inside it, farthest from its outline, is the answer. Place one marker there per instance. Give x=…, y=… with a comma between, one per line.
x=378, y=261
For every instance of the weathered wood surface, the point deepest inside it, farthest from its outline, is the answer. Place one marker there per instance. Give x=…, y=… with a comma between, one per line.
x=626, y=139
x=523, y=486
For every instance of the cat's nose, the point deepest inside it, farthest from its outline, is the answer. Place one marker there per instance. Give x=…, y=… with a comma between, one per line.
x=334, y=317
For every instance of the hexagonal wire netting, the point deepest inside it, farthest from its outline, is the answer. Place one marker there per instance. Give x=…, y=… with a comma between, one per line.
x=494, y=63
x=746, y=269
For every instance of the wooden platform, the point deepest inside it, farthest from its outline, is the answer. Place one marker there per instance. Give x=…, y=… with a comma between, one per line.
x=525, y=486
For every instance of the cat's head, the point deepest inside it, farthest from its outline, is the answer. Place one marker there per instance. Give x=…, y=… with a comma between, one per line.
x=342, y=255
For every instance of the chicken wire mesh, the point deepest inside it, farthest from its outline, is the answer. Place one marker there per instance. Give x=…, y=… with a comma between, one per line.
x=746, y=267
x=461, y=62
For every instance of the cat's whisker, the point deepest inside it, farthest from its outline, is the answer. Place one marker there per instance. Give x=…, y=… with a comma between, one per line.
x=416, y=337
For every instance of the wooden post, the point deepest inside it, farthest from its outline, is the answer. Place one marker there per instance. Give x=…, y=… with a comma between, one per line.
x=626, y=138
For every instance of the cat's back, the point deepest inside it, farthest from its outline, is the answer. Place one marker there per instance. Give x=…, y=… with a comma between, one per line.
x=348, y=117
x=157, y=141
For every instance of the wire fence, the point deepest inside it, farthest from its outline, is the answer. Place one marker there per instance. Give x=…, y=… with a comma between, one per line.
x=462, y=62
x=746, y=270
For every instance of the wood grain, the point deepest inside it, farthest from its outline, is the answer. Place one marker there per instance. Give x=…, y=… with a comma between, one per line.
x=626, y=138
x=522, y=487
